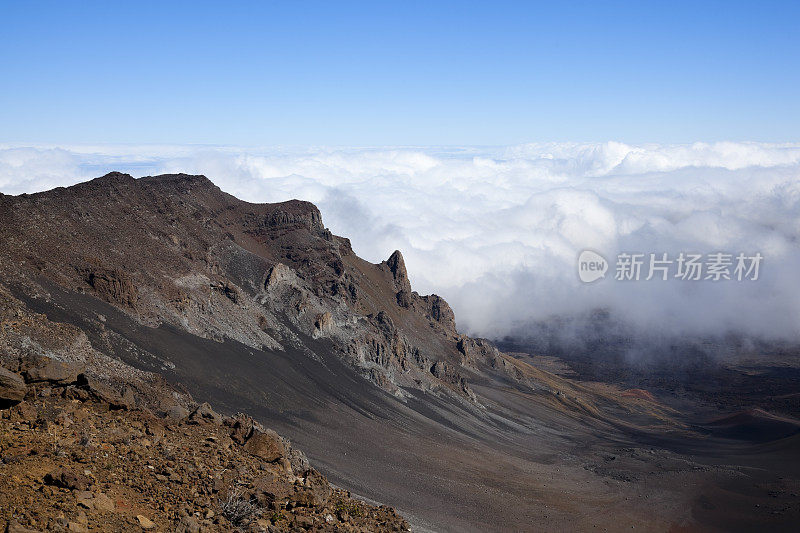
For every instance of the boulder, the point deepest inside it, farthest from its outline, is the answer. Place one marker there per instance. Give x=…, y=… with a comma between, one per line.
x=205, y=414
x=316, y=491
x=176, y=412
x=242, y=427
x=226, y=289
x=104, y=393
x=40, y=369
x=266, y=445
x=12, y=388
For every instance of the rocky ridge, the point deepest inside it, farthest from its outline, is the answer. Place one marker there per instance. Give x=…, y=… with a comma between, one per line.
x=262, y=274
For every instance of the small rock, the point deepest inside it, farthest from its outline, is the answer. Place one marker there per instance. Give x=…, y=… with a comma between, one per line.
x=77, y=527
x=68, y=479
x=25, y=411
x=145, y=522
x=85, y=499
x=128, y=398
x=103, y=502
x=189, y=524
x=306, y=522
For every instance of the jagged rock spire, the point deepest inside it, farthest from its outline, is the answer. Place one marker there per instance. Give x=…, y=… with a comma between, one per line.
x=397, y=266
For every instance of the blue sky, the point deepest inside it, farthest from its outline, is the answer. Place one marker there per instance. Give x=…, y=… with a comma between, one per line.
x=403, y=73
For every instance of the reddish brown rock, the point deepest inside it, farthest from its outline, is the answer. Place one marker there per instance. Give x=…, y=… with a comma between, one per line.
x=68, y=479
x=38, y=369
x=242, y=427
x=397, y=267
x=266, y=445
x=105, y=393
x=112, y=285
x=12, y=388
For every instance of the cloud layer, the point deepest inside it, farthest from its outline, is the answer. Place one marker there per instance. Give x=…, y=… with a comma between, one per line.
x=497, y=230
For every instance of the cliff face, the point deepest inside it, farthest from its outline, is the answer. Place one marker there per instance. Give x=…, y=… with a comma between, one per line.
x=175, y=249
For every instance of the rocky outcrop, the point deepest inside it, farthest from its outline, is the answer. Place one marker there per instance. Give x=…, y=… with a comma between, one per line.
x=323, y=323
x=266, y=445
x=477, y=352
x=265, y=275
x=448, y=374
x=112, y=285
x=12, y=388
x=440, y=311
x=226, y=289
x=296, y=212
x=404, y=298
x=278, y=275
x=397, y=267
x=204, y=413
x=41, y=369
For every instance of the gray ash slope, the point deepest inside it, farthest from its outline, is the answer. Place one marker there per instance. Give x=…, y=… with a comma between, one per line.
x=259, y=308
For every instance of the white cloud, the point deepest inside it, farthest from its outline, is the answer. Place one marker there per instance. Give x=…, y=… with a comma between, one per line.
x=497, y=230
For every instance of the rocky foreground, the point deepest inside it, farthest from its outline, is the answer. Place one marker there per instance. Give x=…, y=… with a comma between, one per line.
x=76, y=455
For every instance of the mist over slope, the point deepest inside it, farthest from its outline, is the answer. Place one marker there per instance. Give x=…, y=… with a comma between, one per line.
x=497, y=230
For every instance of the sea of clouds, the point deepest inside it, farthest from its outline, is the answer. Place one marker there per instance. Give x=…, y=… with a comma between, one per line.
x=497, y=230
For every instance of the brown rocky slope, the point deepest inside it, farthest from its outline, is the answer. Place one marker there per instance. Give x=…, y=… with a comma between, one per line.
x=76, y=456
